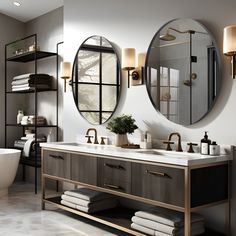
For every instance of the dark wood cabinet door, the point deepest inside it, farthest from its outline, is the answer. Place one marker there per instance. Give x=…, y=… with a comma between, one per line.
x=56, y=163
x=164, y=184
x=114, y=174
x=84, y=169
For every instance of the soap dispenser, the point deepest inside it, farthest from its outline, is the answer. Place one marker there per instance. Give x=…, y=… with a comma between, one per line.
x=205, y=144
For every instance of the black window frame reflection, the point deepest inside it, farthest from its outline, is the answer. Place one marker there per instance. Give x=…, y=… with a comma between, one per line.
x=75, y=79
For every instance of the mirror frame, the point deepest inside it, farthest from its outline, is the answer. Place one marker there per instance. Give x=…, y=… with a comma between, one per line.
x=117, y=85
x=219, y=65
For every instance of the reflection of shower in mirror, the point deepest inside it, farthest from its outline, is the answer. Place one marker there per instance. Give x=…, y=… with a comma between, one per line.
x=170, y=37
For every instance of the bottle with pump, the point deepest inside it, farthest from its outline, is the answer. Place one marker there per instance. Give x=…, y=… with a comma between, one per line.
x=205, y=144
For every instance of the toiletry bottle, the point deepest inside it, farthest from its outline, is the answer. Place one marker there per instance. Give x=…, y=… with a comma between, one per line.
x=49, y=137
x=205, y=145
x=19, y=116
x=214, y=149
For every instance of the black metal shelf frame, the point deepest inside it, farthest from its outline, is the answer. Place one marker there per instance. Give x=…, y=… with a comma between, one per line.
x=32, y=56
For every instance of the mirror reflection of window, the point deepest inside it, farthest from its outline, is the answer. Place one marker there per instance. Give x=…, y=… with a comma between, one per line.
x=96, y=80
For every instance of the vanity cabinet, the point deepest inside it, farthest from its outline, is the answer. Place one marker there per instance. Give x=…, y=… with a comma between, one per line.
x=184, y=188
x=159, y=183
x=114, y=174
x=84, y=169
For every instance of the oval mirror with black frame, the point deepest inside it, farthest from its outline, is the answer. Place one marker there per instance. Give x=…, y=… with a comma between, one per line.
x=96, y=79
x=182, y=71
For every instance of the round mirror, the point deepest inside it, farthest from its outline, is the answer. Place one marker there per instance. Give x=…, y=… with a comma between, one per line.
x=182, y=71
x=96, y=79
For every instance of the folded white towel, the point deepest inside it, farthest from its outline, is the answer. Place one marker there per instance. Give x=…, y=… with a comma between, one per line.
x=98, y=206
x=170, y=230
x=20, y=85
x=20, y=81
x=21, y=88
x=69, y=204
x=167, y=216
x=82, y=202
x=23, y=76
x=148, y=231
x=87, y=194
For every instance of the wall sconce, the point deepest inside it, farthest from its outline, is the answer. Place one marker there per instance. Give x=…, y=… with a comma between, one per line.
x=65, y=72
x=129, y=64
x=229, y=46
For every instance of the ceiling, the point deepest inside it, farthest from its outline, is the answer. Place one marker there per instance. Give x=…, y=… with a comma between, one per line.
x=29, y=9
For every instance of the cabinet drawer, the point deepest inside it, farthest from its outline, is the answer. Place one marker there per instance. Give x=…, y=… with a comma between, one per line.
x=56, y=163
x=164, y=184
x=114, y=172
x=117, y=185
x=84, y=169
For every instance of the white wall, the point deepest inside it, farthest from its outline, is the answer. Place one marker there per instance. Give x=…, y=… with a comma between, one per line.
x=133, y=23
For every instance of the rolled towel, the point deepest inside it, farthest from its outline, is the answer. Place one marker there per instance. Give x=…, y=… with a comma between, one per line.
x=82, y=202
x=170, y=230
x=87, y=194
x=167, y=216
x=95, y=207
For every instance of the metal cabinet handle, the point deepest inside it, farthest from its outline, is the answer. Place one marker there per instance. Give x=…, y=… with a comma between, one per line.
x=160, y=174
x=56, y=156
x=112, y=186
x=119, y=167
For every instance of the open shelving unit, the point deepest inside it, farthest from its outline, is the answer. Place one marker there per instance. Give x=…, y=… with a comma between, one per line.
x=118, y=218
x=26, y=56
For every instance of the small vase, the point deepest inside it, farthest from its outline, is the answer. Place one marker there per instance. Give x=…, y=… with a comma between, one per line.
x=120, y=140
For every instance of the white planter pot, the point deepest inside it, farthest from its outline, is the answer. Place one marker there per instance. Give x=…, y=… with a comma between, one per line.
x=120, y=139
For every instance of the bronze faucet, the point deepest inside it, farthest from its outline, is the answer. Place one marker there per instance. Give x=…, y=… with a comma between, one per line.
x=179, y=148
x=89, y=136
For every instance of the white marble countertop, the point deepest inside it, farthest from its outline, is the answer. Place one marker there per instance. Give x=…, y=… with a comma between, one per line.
x=149, y=155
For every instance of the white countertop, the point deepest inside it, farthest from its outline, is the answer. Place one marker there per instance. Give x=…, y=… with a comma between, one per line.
x=149, y=155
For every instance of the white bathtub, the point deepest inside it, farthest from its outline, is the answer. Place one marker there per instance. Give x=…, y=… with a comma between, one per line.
x=9, y=161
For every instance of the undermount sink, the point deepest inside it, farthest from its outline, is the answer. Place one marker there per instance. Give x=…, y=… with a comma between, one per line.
x=165, y=153
x=153, y=152
x=156, y=152
x=70, y=144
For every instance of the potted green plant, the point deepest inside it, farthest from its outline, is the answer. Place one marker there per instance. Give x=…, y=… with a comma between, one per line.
x=121, y=125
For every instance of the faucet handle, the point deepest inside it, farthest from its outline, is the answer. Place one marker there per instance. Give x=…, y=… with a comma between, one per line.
x=103, y=140
x=168, y=148
x=89, y=138
x=190, y=150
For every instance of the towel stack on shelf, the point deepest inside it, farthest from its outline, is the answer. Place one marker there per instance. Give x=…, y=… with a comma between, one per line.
x=87, y=200
x=31, y=81
x=165, y=222
x=31, y=120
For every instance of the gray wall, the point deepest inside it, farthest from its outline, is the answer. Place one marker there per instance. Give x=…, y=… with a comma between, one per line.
x=133, y=23
x=10, y=30
x=49, y=30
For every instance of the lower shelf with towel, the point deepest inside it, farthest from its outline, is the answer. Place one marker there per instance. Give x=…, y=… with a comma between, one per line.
x=163, y=222
x=88, y=200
